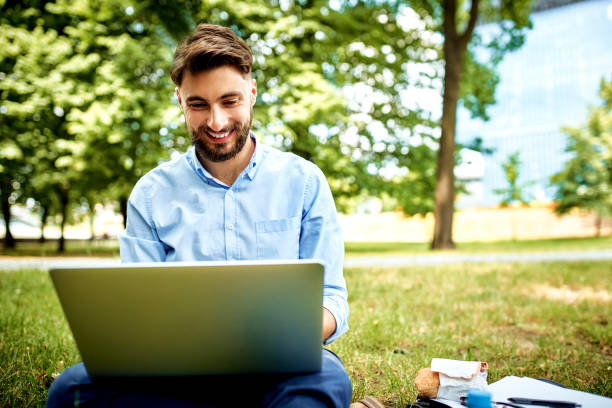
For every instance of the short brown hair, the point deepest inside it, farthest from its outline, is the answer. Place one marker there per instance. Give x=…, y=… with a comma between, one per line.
x=210, y=46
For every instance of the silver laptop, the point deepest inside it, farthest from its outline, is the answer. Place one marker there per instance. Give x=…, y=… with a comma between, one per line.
x=167, y=319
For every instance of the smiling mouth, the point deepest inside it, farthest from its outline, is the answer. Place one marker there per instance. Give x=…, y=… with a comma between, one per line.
x=219, y=136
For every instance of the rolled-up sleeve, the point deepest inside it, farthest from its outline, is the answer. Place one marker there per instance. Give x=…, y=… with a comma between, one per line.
x=140, y=242
x=321, y=238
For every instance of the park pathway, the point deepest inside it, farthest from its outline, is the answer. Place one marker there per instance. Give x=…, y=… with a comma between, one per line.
x=21, y=262
x=451, y=258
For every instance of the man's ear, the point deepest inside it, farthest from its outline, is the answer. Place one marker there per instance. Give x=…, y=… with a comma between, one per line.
x=178, y=96
x=253, y=91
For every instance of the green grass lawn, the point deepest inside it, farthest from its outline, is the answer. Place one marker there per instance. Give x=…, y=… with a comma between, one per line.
x=362, y=249
x=353, y=249
x=548, y=320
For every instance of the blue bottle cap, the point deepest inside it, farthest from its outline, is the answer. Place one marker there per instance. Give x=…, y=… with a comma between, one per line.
x=478, y=399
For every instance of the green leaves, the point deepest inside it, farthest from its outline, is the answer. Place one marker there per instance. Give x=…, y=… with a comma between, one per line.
x=84, y=96
x=515, y=192
x=586, y=180
x=339, y=84
x=9, y=150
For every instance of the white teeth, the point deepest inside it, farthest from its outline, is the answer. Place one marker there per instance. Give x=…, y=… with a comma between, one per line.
x=219, y=135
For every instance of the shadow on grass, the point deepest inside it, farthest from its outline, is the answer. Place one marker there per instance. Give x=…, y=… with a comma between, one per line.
x=73, y=247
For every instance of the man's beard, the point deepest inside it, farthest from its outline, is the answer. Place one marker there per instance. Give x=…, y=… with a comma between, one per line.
x=219, y=152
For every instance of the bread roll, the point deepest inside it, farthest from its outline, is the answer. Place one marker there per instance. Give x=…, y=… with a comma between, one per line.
x=427, y=383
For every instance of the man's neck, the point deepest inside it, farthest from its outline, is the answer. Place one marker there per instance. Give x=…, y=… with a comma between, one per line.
x=228, y=171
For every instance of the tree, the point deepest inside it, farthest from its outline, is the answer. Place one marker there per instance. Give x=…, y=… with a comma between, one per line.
x=515, y=192
x=130, y=125
x=86, y=89
x=467, y=80
x=31, y=111
x=364, y=46
x=330, y=83
x=586, y=180
x=333, y=81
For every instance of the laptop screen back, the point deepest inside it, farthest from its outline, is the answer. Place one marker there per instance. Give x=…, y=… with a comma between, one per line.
x=195, y=318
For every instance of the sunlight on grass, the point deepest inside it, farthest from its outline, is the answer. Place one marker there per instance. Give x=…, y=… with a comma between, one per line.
x=569, y=295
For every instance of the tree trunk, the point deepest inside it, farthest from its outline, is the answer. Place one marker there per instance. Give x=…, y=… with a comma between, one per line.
x=9, y=241
x=598, y=222
x=92, y=231
x=445, y=177
x=92, y=216
x=123, y=200
x=63, y=195
x=44, y=214
x=455, y=46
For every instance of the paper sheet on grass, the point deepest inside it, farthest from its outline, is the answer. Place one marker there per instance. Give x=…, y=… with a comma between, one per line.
x=525, y=387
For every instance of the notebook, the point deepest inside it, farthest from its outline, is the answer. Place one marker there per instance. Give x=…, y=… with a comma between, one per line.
x=197, y=318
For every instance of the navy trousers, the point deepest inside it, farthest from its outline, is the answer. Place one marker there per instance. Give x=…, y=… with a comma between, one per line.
x=329, y=387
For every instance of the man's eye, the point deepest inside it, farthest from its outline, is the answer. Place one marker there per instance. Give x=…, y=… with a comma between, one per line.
x=230, y=102
x=198, y=105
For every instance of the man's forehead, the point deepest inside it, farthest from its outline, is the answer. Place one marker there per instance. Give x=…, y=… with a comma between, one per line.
x=216, y=83
x=226, y=72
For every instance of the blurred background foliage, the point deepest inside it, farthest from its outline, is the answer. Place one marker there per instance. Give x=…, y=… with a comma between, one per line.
x=586, y=180
x=87, y=106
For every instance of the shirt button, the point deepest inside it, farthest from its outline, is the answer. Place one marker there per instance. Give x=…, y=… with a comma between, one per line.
x=230, y=226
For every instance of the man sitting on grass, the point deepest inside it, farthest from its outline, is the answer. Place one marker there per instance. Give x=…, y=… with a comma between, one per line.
x=228, y=198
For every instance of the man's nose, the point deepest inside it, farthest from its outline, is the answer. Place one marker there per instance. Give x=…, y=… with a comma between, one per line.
x=217, y=120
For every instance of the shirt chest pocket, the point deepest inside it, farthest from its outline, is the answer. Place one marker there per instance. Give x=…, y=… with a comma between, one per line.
x=278, y=239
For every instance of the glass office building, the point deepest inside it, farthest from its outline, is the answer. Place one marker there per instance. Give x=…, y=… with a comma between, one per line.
x=546, y=84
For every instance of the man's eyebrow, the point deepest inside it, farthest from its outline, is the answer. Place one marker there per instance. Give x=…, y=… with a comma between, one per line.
x=231, y=94
x=195, y=98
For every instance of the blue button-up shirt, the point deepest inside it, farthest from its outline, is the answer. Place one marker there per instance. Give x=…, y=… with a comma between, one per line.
x=279, y=207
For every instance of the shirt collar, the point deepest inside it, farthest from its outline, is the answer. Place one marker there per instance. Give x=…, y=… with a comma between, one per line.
x=250, y=169
x=255, y=159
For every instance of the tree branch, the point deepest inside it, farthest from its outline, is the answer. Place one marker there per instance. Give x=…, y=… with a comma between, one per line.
x=465, y=37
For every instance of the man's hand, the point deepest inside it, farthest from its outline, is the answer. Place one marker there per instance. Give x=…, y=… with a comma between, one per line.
x=329, y=324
